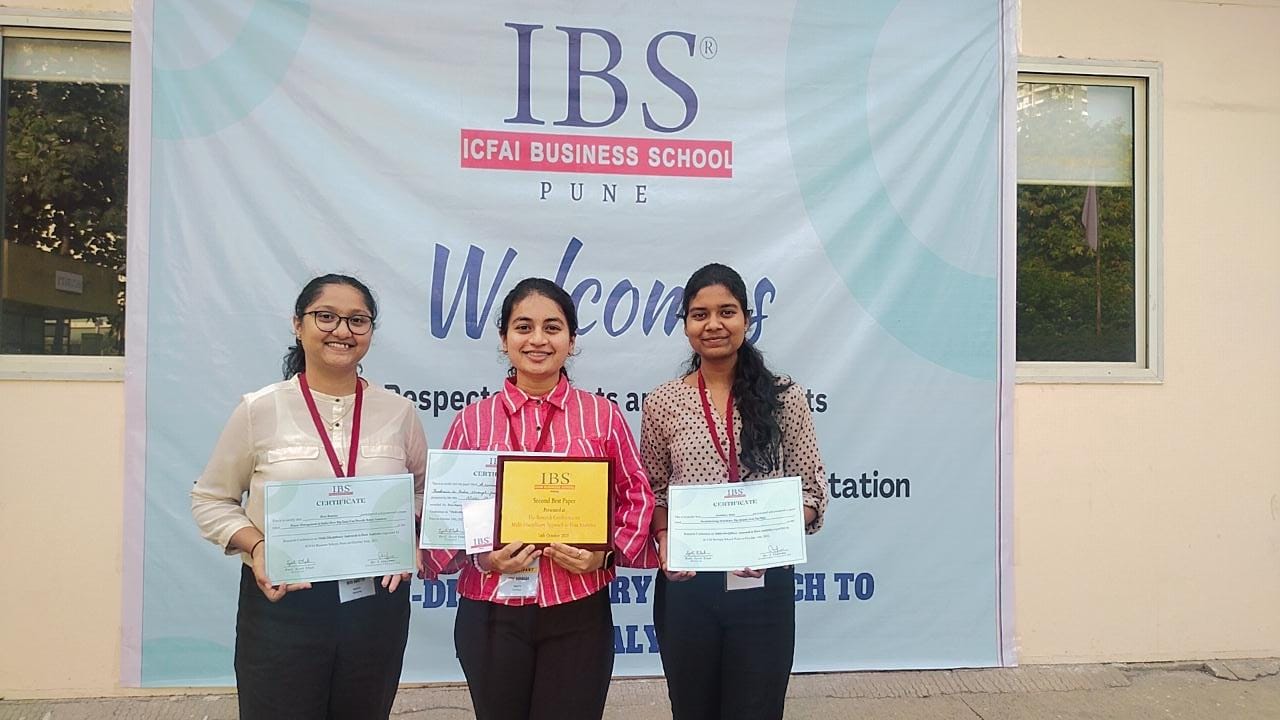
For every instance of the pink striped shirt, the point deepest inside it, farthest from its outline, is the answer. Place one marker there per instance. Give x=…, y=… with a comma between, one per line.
x=582, y=425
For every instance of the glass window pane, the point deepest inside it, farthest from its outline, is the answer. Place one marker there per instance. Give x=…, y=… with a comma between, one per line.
x=66, y=60
x=1076, y=224
x=65, y=181
x=1072, y=134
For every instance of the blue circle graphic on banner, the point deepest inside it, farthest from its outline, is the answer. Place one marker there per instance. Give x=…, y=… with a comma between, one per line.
x=897, y=166
x=197, y=100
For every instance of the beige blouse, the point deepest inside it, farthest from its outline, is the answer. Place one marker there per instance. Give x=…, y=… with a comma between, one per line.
x=270, y=436
x=677, y=448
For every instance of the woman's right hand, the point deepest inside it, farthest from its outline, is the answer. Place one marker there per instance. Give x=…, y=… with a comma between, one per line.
x=272, y=592
x=511, y=558
x=672, y=575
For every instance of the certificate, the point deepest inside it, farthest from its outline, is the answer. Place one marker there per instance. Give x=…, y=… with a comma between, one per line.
x=339, y=528
x=733, y=526
x=563, y=500
x=455, y=478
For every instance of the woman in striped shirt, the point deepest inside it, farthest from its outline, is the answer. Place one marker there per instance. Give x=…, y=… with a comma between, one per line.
x=544, y=649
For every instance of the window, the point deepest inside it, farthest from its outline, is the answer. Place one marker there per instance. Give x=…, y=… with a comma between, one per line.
x=1086, y=301
x=65, y=100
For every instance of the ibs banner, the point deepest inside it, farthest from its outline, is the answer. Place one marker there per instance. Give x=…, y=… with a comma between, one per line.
x=850, y=159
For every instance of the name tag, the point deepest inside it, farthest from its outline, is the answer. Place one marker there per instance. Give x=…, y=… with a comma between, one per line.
x=733, y=582
x=349, y=590
x=523, y=584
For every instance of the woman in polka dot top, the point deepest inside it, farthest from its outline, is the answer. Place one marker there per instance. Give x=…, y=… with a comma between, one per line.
x=726, y=652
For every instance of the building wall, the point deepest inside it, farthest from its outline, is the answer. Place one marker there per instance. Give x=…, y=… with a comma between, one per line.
x=1147, y=520
x=1147, y=517
x=61, y=530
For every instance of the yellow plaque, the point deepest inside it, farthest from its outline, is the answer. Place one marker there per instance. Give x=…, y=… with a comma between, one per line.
x=554, y=500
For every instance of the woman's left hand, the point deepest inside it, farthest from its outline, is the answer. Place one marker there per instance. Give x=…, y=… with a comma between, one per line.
x=391, y=582
x=575, y=560
x=748, y=573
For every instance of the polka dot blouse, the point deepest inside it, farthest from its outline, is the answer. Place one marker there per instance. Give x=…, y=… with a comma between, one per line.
x=677, y=448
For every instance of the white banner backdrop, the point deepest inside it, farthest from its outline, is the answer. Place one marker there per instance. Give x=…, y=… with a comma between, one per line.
x=851, y=160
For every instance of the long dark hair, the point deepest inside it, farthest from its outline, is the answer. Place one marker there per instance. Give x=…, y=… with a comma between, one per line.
x=295, y=360
x=548, y=290
x=756, y=390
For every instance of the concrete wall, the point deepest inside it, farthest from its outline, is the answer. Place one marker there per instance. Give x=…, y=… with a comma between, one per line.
x=1146, y=515
x=61, y=529
x=1146, y=520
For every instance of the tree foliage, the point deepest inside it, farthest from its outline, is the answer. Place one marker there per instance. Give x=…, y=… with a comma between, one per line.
x=1058, y=273
x=66, y=149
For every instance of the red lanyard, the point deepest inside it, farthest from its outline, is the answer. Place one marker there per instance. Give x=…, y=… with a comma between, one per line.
x=324, y=435
x=543, y=435
x=732, y=459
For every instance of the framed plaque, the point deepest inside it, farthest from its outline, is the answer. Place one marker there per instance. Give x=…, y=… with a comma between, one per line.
x=546, y=500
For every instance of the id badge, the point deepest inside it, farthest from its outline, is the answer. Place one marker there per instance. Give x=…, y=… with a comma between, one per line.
x=349, y=590
x=523, y=584
x=733, y=582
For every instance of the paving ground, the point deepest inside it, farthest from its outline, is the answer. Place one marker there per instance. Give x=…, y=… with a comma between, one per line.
x=1219, y=690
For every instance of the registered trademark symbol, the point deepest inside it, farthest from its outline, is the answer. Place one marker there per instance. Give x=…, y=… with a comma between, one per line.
x=709, y=47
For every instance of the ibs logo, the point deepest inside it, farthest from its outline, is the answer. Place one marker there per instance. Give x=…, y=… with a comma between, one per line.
x=594, y=153
x=340, y=490
x=573, y=117
x=735, y=493
x=556, y=481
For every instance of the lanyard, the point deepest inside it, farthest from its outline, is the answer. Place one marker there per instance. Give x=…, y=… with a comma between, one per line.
x=324, y=435
x=543, y=436
x=731, y=460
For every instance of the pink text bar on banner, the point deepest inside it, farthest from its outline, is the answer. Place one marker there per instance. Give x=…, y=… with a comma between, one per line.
x=546, y=152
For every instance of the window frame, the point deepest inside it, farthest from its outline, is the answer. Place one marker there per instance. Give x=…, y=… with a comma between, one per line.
x=105, y=27
x=1145, y=79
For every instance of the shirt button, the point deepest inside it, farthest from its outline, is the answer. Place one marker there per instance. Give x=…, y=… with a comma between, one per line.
x=337, y=424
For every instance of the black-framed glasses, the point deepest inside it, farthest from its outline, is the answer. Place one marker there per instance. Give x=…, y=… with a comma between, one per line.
x=328, y=321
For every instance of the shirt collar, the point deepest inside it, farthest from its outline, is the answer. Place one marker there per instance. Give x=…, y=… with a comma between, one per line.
x=513, y=398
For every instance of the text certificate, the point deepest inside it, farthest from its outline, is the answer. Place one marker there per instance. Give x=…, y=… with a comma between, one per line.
x=455, y=478
x=757, y=524
x=339, y=528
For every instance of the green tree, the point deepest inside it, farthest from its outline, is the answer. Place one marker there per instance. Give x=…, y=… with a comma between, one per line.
x=66, y=150
x=1059, y=275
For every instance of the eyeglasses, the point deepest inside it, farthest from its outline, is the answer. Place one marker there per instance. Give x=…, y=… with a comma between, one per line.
x=328, y=321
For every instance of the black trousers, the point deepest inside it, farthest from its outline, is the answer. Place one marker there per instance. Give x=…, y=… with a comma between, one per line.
x=310, y=657
x=726, y=654
x=536, y=663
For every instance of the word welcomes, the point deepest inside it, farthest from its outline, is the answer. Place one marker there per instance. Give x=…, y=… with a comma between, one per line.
x=616, y=310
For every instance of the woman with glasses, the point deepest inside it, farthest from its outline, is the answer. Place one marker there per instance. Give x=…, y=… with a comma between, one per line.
x=544, y=649
x=727, y=640
x=313, y=650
